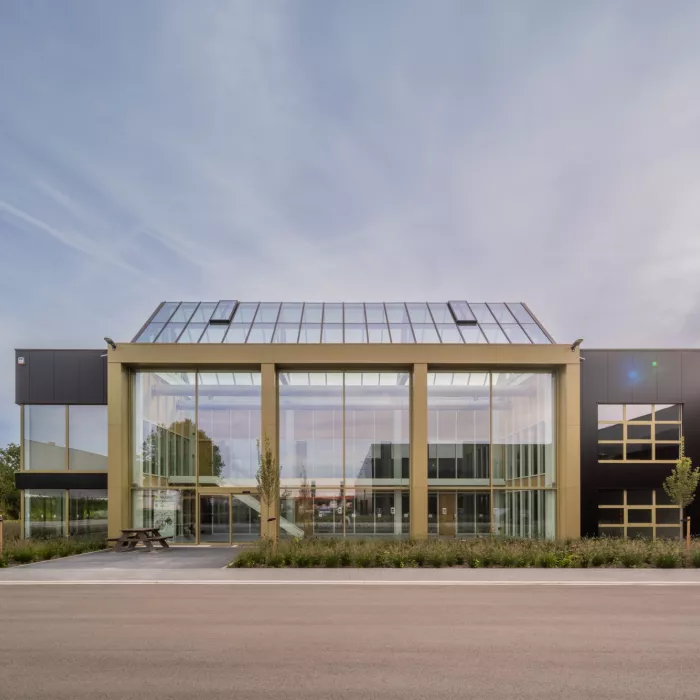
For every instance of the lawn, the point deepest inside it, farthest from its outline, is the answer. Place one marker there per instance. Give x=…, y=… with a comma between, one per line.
x=474, y=553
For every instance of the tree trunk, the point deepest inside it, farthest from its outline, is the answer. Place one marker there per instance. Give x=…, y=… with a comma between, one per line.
x=681, y=524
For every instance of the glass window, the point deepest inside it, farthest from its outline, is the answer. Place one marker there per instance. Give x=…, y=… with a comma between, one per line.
x=638, y=451
x=333, y=313
x=163, y=432
x=171, y=333
x=267, y=313
x=150, y=333
x=611, y=516
x=203, y=312
x=286, y=333
x=610, y=431
x=290, y=313
x=441, y=313
x=481, y=313
x=87, y=513
x=192, y=333
x=638, y=432
x=401, y=333
x=419, y=313
x=639, y=497
x=425, y=333
x=520, y=313
x=378, y=333
x=500, y=311
x=245, y=312
x=472, y=334
x=612, y=531
x=610, y=412
x=229, y=425
x=214, y=333
x=461, y=312
x=668, y=452
x=87, y=438
x=165, y=312
x=184, y=312
x=667, y=412
x=261, y=332
x=310, y=333
x=493, y=333
x=237, y=333
x=310, y=428
x=639, y=515
x=611, y=497
x=377, y=426
x=172, y=511
x=662, y=498
x=537, y=335
x=332, y=332
x=313, y=313
x=375, y=313
x=45, y=438
x=45, y=513
x=611, y=451
x=638, y=412
x=354, y=313
x=523, y=426
x=515, y=333
x=355, y=332
x=667, y=431
x=449, y=333
x=397, y=313
x=223, y=312
x=668, y=516
x=458, y=427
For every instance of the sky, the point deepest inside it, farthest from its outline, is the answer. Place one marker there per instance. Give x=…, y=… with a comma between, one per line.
x=546, y=152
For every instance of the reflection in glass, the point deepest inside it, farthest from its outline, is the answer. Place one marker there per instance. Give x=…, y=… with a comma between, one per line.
x=638, y=451
x=87, y=438
x=481, y=313
x=44, y=513
x=165, y=312
x=163, y=429
x=610, y=412
x=610, y=431
x=401, y=333
x=523, y=426
x=237, y=333
x=245, y=517
x=170, y=333
x=515, y=333
x=286, y=333
x=261, y=332
x=472, y=334
x=638, y=432
x=525, y=513
x=171, y=511
x=45, y=438
x=458, y=428
x=214, y=333
x=667, y=432
x=667, y=452
x=667, y=412
x=290, y=313
x=223, y=313
x=537, y=335
x=204, y=312
x=310, y=333
x=493, y=333
x=192, y=333
x=449, y=333
x=611, y=451
x=88, y=513
x=229, y=425
x=501, y=313
x=638, y=412
x=150, y=333
x=245, y=312
x=184, y=312
x=425, y=333
x=520, y=313
x=214, y=517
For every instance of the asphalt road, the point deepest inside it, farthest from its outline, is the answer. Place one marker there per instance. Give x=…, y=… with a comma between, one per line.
x=133, y=642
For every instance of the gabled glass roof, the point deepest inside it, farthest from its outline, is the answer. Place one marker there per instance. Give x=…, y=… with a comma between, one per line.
x=317, y=322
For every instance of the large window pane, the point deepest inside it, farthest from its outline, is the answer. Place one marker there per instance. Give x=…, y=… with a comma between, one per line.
x=375, y=313
x=313, y=313
x=354, y=313
x=88, y=513
x=286, y=333
x=397, y=313
x=45, y=438
x=267, y=313
x=172, y=511
x=184, y=312
x=425, y=333
x=87, y=438
x=459, y=427
x=493, y=333
x=401, y=333
x=501, y=312
x=163, y=435
x=229, y=425
x=523, y=426
x=261, y=333
x=290, y=313
x=311, y=428
x=537, y=335
x=245, y=312
x=355, y=333
x=378, y=333
x=310, y=333
x=332, y=332
x=170, y=333
x=333, y=313
x=192, y=333
x=44, y=513
x=419, y=313
x=449, y=333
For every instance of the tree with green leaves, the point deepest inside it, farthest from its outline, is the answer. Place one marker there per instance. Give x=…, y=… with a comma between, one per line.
x=9, y=494
x=681, y=484
x=268, y=478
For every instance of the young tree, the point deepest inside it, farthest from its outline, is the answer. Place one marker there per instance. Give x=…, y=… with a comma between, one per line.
x=681, y=484
x=268, y=478
x=9, y=495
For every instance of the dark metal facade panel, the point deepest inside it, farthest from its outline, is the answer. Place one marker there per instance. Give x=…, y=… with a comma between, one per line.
x=629, y=376
x=61, y=377
x=32, y=481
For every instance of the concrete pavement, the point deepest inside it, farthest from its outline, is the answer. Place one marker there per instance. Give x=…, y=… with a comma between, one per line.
x=339, y=642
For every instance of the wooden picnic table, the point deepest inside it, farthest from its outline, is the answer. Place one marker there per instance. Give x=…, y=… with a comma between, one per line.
x=132, y=537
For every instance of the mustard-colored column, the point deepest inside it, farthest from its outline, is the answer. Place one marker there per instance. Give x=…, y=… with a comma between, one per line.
x=419, y=453
x=569, y=450
x=118, y=412
x=268, y=420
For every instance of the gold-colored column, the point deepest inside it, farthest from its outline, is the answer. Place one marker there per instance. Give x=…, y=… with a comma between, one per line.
x=118, y=463
x=419, y=453
x=268, y=427
x=569, y=450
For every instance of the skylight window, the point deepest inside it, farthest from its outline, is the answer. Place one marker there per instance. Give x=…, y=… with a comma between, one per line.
x=461, y=312
x=224, y=312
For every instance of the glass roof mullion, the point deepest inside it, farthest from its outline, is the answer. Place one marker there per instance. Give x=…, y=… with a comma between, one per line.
x=252, y=322
x=410, y=322
x=386, y=320
x=301, y=320
x=277, y=318
x=430, y=313
x=495, y=318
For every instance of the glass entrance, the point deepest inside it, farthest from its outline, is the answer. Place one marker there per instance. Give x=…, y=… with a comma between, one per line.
x=228, y=518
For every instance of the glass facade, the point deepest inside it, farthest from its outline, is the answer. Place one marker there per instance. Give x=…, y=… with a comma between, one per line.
x=637, y=513
x=45, y=438
x=87, y=510
x=45, y=513
x=62, y=513
x=87, y=438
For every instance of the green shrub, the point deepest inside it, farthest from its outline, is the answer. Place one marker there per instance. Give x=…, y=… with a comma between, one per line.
x=666, y=560
x=695, y=558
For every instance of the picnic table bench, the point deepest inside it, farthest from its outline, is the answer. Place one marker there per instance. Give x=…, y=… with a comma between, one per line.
x=132, y=537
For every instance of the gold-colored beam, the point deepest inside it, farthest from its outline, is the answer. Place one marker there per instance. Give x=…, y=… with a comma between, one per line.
x=268, y=420
x=118, y=463
x=418, y=482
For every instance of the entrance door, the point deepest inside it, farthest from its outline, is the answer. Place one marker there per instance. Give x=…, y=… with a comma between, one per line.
x=446, y=514
x=245, y=517
x=215, y=519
